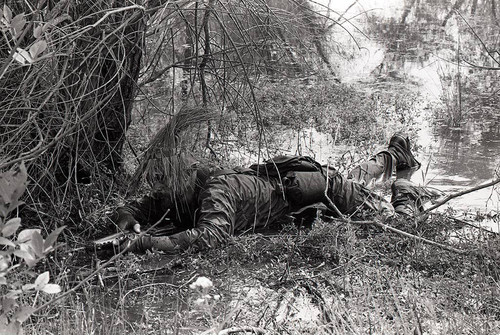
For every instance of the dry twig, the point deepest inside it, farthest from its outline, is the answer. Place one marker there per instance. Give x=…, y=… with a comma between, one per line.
x=458, y=194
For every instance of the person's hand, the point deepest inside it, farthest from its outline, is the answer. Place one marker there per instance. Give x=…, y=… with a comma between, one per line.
x=126, y=222
x=129, y=224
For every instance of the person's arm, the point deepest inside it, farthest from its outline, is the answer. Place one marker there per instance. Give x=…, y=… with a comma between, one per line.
x=150, y=209
x=147, y=209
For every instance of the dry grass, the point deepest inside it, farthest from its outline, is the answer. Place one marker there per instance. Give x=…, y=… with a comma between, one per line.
x=332, y=279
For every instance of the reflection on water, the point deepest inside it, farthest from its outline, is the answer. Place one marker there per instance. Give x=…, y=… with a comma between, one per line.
x=432, y=43
x=144, y=303
x=460, y=158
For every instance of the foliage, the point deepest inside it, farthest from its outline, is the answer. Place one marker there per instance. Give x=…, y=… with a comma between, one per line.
x=294, y=109
x=332, y=277
x=70, y=71
x=18, y=255
x=65, y=90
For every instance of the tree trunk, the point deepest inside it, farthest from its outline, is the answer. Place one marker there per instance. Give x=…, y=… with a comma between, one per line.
x=474, y=7
x=112, y=70
x=407, y=11
x=455, y=7
x=115, y=117
x=189, y=53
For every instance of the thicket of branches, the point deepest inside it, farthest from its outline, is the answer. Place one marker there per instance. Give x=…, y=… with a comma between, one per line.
x=70, y=71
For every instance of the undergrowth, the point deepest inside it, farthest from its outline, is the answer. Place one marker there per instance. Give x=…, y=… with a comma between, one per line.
x=329, y=278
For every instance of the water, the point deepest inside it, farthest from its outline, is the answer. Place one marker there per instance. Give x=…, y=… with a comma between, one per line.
x=461, y=150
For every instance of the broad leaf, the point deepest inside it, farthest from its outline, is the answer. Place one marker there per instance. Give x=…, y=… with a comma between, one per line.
x=13, y=295
x=6, y=241
x=37, y=32
x=22, y=57
x=7, y=13
x=37, y=243
x=27, y=253
x=8, y=304
x=13, y=182
x=28, y=287
x=10, y=328
x=4, y=263
x=26, y=235
x=17, y=24
x=21, y=253
x=42, y=280
x=11, y=227
x=37, y=48
x=51, y=239
x=51, y=288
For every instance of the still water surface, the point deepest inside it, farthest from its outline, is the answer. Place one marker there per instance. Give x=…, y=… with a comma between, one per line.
x=417, y=42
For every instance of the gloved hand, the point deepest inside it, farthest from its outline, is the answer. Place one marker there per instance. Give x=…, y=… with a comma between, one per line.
x=126, y=221
x=135, y=243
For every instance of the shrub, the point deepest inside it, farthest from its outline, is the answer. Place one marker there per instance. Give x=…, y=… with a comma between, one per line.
x=19, y=255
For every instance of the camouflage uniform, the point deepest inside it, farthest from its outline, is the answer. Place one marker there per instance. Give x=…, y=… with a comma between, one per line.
x=397, y=159
x=230, y=203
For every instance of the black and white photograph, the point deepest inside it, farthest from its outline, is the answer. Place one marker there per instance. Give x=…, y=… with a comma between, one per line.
x=264, y=167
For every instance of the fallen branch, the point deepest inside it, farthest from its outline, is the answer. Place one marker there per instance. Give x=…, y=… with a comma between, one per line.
x=458, y=194
x=397, y=231
x=329, y=203
x=473, y=225
x=415, y=237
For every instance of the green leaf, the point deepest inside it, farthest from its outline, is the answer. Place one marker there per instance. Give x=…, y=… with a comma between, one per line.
x=37, y=32
x=21, y=253
x=13, y=295
x=51, y=239
x=8, y=304
x=6, y=241
x=13, y=182
x=22, y=57
x=51, y=288
x=3, y=281
x=37, y=48
x=37, y=244
x=26, y=253
x=28, y=287
x=10, y=328
x=11, y=227
x=17, y=24
x=42, y=280
x=26, y=235
x=4, y=264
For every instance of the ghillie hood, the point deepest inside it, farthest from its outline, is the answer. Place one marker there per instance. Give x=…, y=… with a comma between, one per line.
x=166, y=165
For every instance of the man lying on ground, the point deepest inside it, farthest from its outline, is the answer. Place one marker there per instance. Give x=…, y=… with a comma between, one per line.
x=213, y=205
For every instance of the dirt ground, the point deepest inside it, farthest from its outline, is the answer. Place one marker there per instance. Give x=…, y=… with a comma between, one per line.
x=333, y=278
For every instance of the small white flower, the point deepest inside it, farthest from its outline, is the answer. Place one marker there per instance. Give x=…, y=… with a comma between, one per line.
x=202, y=283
